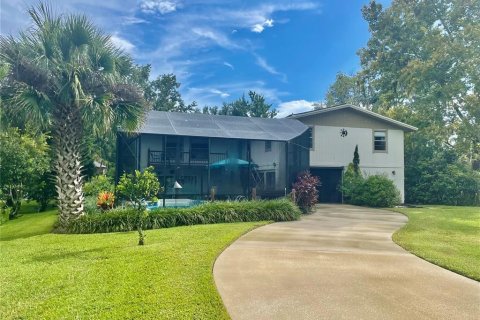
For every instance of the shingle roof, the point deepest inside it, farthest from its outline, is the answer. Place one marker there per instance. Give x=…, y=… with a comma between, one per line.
x=219, y=126
x=366, y=112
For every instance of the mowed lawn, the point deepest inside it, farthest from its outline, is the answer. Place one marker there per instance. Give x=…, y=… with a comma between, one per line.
x=108, y=276
x=446, y=236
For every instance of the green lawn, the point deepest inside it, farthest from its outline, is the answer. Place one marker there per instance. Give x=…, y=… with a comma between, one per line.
x=107, y=276
x=446, y=236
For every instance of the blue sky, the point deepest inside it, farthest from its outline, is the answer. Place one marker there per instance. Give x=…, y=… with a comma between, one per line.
x=290, y=51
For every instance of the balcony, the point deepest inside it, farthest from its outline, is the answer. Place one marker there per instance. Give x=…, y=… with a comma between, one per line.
x=169, y=158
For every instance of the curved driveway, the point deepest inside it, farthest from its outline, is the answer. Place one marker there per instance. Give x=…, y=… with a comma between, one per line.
x=338, y=263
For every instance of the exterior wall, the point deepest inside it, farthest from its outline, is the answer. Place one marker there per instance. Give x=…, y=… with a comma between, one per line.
x=332, y=150
x=270, y=161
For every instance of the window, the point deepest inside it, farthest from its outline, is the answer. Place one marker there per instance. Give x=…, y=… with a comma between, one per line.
x=199, y=149
x=268, y=146
x=310, y=138
x=380, y=140
x=270, y=180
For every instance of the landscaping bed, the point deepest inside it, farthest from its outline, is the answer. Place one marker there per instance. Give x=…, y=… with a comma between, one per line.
x=213, y=212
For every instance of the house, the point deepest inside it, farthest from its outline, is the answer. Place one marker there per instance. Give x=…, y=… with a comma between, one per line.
x=334, y=133
x=214, y=155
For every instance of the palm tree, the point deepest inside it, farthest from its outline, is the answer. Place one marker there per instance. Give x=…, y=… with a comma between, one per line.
x=68, y=77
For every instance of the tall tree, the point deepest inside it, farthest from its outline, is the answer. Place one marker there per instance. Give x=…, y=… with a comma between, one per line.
x=255, y=106
x=68, y=76
x=163, y=94
x=425, y=55
x=347, y=90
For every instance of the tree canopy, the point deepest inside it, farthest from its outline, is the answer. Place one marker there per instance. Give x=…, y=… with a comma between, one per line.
x=421, y=66
x=66, y=75
x=255, y=106
x=163, y=94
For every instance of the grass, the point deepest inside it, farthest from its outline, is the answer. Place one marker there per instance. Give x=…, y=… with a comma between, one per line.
x=107, y=276
x=446, y=236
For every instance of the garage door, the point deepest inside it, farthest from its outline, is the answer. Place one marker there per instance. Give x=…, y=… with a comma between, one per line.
x=330, y=179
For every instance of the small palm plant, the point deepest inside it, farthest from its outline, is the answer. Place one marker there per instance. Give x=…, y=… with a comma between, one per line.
x=66, y=76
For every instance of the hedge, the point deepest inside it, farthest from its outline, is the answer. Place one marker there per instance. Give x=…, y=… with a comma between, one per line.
x=118, y=220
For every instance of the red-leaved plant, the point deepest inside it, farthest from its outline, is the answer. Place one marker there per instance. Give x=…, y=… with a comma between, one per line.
x=105, y=200
x=306, y=192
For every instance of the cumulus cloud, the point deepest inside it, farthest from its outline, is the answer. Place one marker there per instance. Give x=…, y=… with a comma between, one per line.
x=160, y=6
x=287, y=108
x=259, y=27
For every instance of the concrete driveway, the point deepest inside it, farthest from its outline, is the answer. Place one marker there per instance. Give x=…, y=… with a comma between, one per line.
x=338, y=263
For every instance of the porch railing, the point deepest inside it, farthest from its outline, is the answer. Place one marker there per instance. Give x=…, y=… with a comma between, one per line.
x=183, y=158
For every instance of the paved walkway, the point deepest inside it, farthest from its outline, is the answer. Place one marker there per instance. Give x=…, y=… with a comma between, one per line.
x=339, y=263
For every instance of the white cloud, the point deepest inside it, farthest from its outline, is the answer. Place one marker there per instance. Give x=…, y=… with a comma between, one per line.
x=122, y=43
x=220, y=93
x=225, y=63
x=287, y=108
x=160, y=6
x=217, y=37
x=133, y=20
x=259, y=27
x=211, y=95
x=261, y=62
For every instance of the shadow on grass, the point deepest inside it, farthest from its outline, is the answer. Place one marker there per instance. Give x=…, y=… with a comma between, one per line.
x=83, y=254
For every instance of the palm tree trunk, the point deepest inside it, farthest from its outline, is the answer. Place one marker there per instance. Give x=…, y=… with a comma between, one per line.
x=68, y=165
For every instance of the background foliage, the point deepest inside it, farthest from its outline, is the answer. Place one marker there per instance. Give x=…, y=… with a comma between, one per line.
x=420, y=66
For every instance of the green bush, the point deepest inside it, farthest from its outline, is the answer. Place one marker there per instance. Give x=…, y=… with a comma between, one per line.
x=90, y=205
x=98, y=184
x=373, y=191
x=214, y=212
x=379, y=191
x=4, y=212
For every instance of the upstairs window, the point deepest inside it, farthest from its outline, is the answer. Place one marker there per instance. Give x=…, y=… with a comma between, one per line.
x=199, y=149
x=380, y=140
x=268, y=146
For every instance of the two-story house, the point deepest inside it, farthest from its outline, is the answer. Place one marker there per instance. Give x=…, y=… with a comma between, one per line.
x=334, y=133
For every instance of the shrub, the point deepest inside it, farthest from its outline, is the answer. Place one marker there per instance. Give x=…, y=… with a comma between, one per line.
x=105, y=200
x=306, y=192
x=98, y=184
x=4, y=212
x=137, y=188
x=379, y=191
x=24, y=159
x=213, y=212
x=43, y=191
x=90, y=205
x=352, y=184
x=373, y=191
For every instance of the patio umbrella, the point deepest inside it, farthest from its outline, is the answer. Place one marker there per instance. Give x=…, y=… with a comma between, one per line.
x=230, y=162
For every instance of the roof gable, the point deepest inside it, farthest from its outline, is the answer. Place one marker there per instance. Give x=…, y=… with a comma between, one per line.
x=220, y=126
x=326, y=112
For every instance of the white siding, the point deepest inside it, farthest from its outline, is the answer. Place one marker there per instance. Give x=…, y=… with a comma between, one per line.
x=333, y=150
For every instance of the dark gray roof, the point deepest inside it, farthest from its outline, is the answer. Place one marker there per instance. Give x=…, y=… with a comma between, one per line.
x=205, y=125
